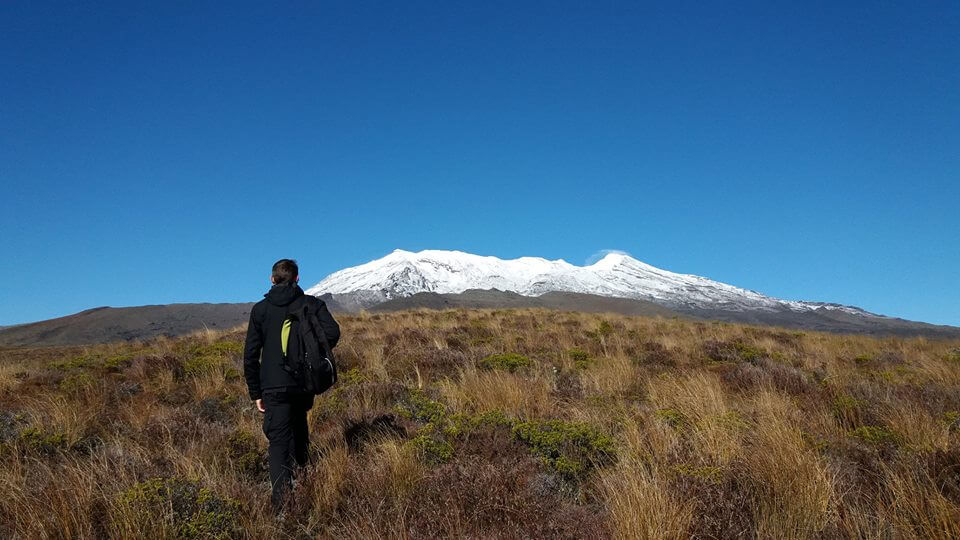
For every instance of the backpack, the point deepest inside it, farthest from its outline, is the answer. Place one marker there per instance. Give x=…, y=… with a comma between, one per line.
x=307, y=355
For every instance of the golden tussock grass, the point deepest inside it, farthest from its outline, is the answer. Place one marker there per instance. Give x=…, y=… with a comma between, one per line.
x=496, y=423
x=477, y=391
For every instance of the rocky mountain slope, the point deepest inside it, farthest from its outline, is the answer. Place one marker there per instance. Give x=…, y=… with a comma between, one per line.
x=435, y=278
x=404, y=273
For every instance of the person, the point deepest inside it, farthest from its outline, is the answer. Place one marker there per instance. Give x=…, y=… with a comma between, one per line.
x=274, y=391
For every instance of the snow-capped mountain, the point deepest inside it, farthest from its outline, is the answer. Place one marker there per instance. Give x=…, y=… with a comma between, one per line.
x=404, y=273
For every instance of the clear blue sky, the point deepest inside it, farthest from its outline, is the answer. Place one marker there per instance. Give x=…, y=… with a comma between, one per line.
x=172, y=152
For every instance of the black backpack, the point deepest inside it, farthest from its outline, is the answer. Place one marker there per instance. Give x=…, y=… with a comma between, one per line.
x=310, y=361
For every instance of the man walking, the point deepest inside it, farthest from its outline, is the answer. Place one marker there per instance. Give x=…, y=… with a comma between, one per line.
x=276, y=393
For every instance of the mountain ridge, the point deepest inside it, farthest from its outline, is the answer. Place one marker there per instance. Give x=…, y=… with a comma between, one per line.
x=436, y=279
x=403, y=273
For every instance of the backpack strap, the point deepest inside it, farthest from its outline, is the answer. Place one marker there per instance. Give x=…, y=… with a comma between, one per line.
x=285, y=346
x=311, y=318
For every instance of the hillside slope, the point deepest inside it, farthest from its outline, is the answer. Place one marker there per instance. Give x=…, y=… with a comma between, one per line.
x=518, y=423
x=105, y=324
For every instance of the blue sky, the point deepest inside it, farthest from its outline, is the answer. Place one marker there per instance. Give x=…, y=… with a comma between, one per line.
x=172, y=152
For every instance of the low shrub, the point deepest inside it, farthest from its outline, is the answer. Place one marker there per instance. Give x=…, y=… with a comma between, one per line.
x=42, y=441
x=179, y=506
x=74, y=382
x=220, y=348
x=875, y=435
x=863, y=359
x=243, y=450
x=421, y=408
x=673, y=417
x=952, y=420
x=569, y=448
x=508, y=362
x=580, y=358
x=216, y=410
x=654, y=353
x=605, y=329
x=117, y=362
x=351, y=376
x=847, y=409
x=201, y=365
x=77, y=362
x=732, y=351
x=460, y=425
x=432, y=449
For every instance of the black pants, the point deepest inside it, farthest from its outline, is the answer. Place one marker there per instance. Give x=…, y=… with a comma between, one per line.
x=285, y=425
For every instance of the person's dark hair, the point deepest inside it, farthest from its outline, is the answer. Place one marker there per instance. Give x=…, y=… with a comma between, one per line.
x=285, y=271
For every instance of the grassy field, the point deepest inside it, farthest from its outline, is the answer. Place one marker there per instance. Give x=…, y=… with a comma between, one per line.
x=510, y=423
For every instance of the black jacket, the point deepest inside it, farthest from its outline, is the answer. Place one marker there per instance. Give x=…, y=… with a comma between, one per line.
x=263, y=335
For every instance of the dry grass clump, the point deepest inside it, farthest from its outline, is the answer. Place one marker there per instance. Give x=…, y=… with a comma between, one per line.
x=793, y=484
x=496, y=423
x=476, y=391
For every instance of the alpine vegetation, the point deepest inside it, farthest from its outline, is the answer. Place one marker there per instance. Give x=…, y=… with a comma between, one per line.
x=519, y=423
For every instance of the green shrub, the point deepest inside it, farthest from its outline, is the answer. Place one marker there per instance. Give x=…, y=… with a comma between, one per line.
x=846, y=406
x=220, y=348
x=508, y=362
x=117, y=362
x=201, y=365
x=876, y=435
x=78, y=362
x=673, y=417
x=330, y=404
x=180, y=505
x=419, y=407
x=732, y=351
x=38, y=440
x=605, y=329
x=580, y=358
x=463, y=424
x=432, y=449
x=76, y=381
x=351, y=376
x=245, y=453
x=862, y=359
x=570, y=448
x=732, y=420
x=748, y=353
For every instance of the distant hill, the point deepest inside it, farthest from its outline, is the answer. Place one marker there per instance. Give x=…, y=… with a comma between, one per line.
x=106, y=324
x=103, y=324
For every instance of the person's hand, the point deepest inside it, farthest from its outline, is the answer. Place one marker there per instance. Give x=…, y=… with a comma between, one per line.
x=260, y=408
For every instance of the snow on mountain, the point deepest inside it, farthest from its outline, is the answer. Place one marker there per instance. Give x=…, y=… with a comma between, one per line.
x=404, y=273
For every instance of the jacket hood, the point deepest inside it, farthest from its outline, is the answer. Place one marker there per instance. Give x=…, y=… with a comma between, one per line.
x=283, y=294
